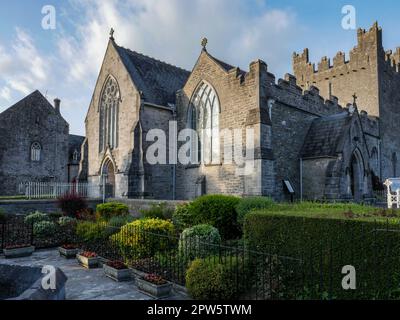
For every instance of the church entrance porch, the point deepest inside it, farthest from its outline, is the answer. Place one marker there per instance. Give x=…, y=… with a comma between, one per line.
x=356, y=173
x=108, y=179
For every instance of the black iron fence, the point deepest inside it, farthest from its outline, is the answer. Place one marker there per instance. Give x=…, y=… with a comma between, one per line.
x=323, y=271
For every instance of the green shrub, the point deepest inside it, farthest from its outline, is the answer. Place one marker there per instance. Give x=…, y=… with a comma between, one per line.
x=218, y=211
x=247, y=205
x=325, y=245
x=119, y=222
x=92, y=231
x=71, y=204
x=44, y=228
x=144, y=238
x=66, y=221
x=158, y=211
x=182, y=217
x=214, y=278
x=199, y=242
x=36, y=217
x=3, y=216
x=109, y=210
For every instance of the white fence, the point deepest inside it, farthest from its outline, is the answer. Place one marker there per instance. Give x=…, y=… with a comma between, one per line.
x=53, y=190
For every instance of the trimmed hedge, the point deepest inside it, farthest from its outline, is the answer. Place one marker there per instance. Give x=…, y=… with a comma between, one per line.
x=145, y=238
x=214, y=278
x=249, y=204
x=324, y=246
x=218, y=211
x=36, y=217
x=109, y=210
x=199, y=242
x=44, y=228
x=158, y=211
x=182, y=217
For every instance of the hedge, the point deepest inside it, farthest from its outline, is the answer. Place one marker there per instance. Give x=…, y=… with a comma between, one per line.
x=109, y=210
x=323, y=246
x=145, y=238
x=218, y=211
x=215, y=278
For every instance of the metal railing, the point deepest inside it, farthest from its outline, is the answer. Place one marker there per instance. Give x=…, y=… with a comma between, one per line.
x=54, y=190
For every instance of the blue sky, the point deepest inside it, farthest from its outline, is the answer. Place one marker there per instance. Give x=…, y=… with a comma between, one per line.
x=65, y=62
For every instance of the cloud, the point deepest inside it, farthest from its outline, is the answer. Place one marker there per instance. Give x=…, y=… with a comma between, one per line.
x=172, y=31
x=22, y=68
x=238, y=32
x=5, y=93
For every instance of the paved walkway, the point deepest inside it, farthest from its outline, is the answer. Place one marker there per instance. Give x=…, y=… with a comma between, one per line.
x=84, y=284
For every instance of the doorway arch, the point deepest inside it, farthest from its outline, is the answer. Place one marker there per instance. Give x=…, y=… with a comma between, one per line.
x=108, y=178
x=356, y=172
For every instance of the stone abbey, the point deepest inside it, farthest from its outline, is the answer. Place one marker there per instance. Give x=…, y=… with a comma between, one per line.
x=324, y=133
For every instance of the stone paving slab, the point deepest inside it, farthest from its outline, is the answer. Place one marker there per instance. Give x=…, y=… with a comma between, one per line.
x=84, y=284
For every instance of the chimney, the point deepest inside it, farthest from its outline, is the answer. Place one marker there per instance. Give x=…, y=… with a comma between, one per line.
x=57, y=103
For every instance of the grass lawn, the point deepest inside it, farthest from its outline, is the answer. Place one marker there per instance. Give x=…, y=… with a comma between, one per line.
x=345, y=211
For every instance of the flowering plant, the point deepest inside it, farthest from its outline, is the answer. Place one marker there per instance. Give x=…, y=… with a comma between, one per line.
x=88, y=254
x=154, y=279
x=117, y=265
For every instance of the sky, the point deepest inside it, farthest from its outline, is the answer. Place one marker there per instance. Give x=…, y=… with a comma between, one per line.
x=64, y=62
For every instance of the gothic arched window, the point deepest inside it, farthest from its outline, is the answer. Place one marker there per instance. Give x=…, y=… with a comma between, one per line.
x=109, y=115
x=36, y=150
x=203, y=117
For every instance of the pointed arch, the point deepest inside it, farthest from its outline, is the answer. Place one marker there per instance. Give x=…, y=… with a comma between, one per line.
x=204, y=118
x=109, y=114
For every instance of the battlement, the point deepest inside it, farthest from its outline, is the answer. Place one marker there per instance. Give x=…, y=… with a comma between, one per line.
x=364, y=54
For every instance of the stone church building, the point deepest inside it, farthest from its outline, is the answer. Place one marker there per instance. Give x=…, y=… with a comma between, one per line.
x=312, y=137
x=35, y=145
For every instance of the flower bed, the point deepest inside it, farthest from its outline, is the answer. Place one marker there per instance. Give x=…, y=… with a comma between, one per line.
x=117, y=271
x=154, y=286
x=18, y=251
x=68, y=251
x=87, y=259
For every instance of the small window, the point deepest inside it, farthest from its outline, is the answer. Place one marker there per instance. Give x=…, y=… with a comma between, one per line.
x=36, y=150
x=75, y=155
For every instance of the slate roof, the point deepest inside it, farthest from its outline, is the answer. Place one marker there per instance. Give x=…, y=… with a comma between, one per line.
x=158, y=81
x=326, y=136
x=34, y=100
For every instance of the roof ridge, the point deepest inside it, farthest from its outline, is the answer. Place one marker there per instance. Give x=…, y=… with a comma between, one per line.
x=154, y=59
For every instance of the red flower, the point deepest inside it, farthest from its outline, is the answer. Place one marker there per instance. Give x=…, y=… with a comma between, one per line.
x=88, y=254
x=154, y=279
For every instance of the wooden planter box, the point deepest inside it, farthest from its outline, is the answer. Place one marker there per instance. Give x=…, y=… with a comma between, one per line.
x=18, y=252
x=156, y=291
x=68, y=253
x=89, y=263
x=116, y=274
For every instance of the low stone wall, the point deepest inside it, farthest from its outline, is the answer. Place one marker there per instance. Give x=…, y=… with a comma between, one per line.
x=135, y=205
x=28, y=206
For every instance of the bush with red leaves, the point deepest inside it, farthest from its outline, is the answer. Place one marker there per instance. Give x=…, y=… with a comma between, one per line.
x=72, y=204
x=88, y=254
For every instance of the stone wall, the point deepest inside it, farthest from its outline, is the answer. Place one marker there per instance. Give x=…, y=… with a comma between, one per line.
x=128, y=118
x=31, y=120
x=25, y=207
x=239, y=98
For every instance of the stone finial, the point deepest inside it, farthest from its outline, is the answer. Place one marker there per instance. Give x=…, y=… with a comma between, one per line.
x=204, y=43
x=112, y=34
x=354, y=99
